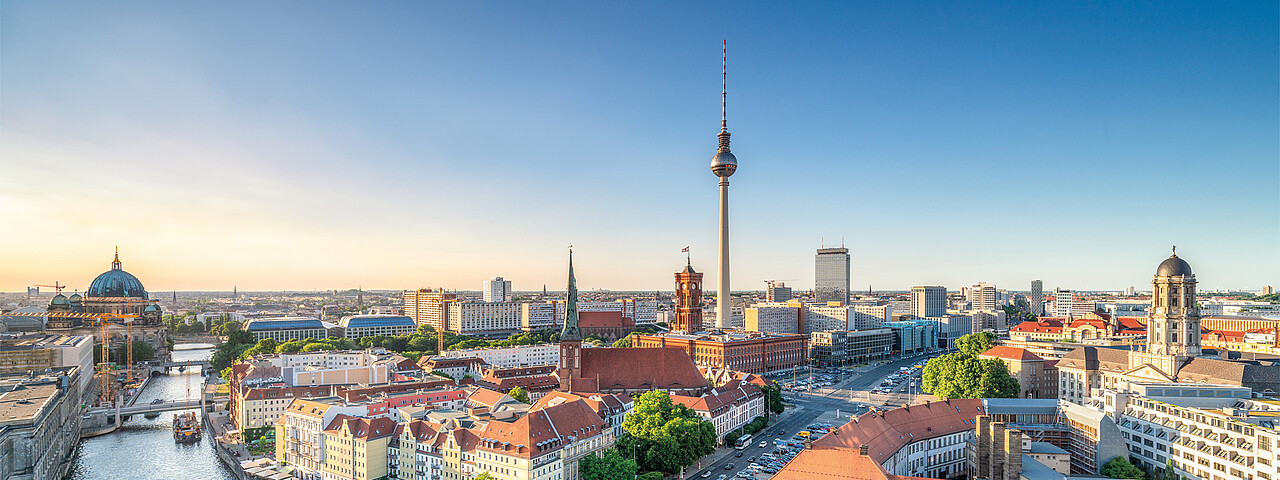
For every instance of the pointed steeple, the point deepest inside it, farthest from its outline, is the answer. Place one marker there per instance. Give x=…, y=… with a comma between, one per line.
x=570, y=331
x=115, y=264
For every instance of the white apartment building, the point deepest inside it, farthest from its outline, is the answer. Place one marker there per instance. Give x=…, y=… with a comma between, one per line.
x=928, y=301
x=1067, y=304
x=821, y=318
x=870, y=316
x=333, y=367
x=513, y=356
x=773, y=317
x=988, y=320
x=728, y=407
x=496, y=290
x=983, y=296
x=951, y=327
x=484, y=319
x=1212, y=432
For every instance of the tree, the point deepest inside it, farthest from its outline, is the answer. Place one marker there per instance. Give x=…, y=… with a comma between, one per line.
x=624, y=342
x=607, y=465
x=519, y=394
x=485, y=476
x=316, y=347
x=650, y=476
x=774, y=396
x=1120, y=467
x=975, y=343
x=665, y=435
x=142, y=351
x=959, y=375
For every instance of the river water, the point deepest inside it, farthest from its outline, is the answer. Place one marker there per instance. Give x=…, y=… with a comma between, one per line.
x=143, y=449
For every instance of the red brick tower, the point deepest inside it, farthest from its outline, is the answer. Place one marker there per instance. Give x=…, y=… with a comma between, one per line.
x=688, y=301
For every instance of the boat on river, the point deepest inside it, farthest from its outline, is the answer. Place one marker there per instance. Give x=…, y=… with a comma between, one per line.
x=186, y=428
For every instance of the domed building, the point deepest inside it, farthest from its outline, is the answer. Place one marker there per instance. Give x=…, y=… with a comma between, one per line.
x=113, y=291
x=118, y=291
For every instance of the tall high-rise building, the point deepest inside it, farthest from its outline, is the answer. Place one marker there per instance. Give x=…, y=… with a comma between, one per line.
x=1268, y=290
x=831, y=275
x=1037, y=298
x=928, y=301
x=688, y=301
x=777, y=292
x=497, y=290
x=983, y=297
x=723, y=164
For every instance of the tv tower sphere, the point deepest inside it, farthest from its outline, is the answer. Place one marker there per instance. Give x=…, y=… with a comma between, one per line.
x=724, y=163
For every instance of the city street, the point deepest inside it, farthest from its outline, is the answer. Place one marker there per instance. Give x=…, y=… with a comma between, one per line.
x=809, y=407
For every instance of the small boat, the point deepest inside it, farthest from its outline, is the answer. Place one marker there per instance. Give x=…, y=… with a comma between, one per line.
x=151, y=416
x=186, y=428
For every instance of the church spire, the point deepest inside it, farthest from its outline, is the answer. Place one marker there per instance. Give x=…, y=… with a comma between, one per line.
x=115, y=264
x=570, y=331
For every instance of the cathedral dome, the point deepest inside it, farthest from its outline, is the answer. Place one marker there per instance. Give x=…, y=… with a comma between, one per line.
x=59, y=300
x=74, y=298
x=1173, y=266
x=116, y=283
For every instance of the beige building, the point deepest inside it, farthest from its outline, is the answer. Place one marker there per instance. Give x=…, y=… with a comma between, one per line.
x=356, y=448
x=1036, y=377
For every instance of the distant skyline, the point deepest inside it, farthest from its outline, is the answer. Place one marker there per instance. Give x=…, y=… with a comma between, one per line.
x=305, y=146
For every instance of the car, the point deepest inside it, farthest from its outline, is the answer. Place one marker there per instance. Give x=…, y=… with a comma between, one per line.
x=706, y=474
x=722, y=477
x=729, y=466
x=764, y=444
x=752, y=459
x=739, y=454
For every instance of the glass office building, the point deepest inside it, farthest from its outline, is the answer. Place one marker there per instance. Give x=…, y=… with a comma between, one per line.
x=831, y=275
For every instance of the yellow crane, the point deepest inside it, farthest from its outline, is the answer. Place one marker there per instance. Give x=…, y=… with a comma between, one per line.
x=105, y=320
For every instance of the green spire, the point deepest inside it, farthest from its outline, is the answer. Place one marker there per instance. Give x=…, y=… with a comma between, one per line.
x=570, y=331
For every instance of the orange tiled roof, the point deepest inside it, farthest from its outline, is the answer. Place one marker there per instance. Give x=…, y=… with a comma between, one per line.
x=362, y=428
x=834, y=463
x=641, y=368
x=1011, y=353
x=886, y=432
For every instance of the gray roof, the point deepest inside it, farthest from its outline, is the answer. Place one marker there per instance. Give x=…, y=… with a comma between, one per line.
x=1034, y=470
x=1172, y=267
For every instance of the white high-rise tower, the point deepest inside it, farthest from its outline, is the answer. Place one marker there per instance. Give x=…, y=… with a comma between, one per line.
x=723, y=165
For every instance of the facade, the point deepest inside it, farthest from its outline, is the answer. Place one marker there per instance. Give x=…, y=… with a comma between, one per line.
x=332, y=367
x=928, y=301
x=777, y=292
x=39, y=424
x=497, y=290
x=284, y=329
x=840, y=347
x=1036, y=299
x=39, y=352
x=742, y=352
x=549, y=315
x=951, y=327
x=983, y=297
x=427, y=306
x=609, y=326
x=483, y=319
x=356, y=448
x=688, y=315
x=988, y=320
x=513, y=356
x=831, y=275
x=774, y=317
x=728, y=407
x=360, y=326
x=913, y=336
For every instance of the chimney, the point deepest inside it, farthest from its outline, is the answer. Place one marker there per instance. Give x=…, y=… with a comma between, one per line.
x=1013, y=455
x=984, y=447
x=997, y=459
x=862, y=450
x=808, y=442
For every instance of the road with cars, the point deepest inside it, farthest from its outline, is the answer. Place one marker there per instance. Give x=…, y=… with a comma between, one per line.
x=812, y=403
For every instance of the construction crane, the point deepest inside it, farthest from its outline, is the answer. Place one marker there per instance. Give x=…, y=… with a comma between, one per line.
x=105, y=320
x=56, y=287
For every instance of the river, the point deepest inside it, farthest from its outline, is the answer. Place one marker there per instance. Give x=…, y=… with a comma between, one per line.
x=143, y=449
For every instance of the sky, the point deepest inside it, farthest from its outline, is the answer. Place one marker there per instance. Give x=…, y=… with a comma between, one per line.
x=399, y=145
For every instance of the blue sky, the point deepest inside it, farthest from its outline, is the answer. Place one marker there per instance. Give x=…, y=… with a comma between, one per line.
x=401, y=145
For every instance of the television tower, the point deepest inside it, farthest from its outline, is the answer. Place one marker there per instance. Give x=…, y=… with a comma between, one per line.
x=723, y=165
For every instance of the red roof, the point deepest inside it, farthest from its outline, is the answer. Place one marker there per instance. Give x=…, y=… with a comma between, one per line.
x=885, y=433
x=1011, y=353
x=604, y=320
x=542, y=431
x=363, y=428
x=1038, y=327
x=639, y=369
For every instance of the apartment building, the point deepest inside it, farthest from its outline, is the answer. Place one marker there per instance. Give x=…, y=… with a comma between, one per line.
x=427, y=306
x=356, y=448
x=728, y=407
x=513, y=356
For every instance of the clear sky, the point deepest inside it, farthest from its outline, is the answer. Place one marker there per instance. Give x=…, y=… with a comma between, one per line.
x=317, y=145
